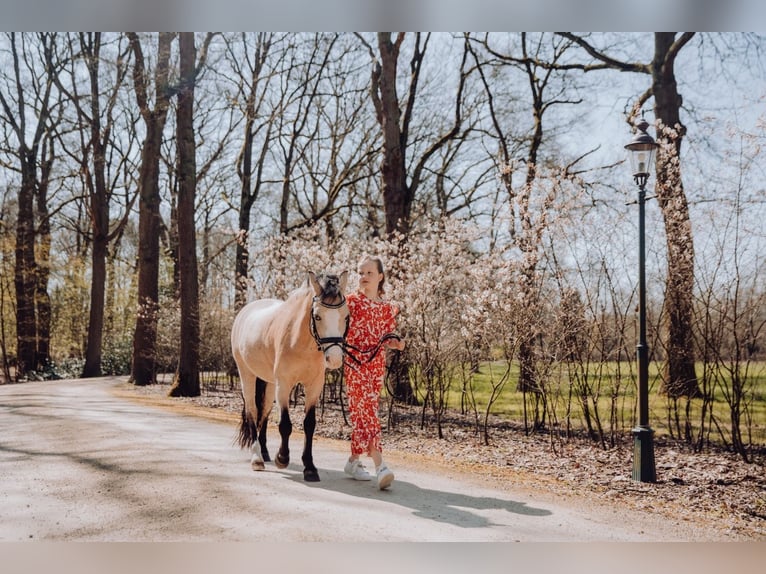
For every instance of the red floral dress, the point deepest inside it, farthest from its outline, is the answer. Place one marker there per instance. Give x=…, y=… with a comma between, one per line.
x=370, y=320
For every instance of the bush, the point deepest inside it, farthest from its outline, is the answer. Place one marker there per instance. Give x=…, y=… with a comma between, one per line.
x=116, y=356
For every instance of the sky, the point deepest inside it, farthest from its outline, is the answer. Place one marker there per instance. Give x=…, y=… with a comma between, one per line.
x=378, y=15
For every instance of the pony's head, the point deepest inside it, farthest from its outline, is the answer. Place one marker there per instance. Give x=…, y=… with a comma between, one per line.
x=329, y=316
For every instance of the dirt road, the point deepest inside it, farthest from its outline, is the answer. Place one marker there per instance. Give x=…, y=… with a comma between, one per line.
x=78, y=463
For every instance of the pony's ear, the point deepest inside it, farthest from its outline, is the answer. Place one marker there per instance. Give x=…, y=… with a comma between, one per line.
x=343, y=281
x=314, y=282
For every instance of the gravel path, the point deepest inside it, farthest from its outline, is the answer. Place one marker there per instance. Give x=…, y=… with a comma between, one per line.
x=94, y=461
x=704, y=496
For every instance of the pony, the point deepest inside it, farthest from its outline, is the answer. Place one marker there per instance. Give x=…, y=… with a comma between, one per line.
x=277, y=344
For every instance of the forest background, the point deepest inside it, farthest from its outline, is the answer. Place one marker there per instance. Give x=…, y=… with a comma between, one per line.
x=150, y=184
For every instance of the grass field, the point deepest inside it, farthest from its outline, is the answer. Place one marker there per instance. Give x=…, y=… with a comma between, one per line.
x=611, y=384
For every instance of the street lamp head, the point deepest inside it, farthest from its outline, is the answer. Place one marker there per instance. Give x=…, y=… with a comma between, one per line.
x=641, y=152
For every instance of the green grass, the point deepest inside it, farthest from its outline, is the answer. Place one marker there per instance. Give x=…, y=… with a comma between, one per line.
x=619, y=379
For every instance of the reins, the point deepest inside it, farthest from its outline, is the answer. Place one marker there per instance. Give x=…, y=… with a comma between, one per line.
x=324, y=343
x=372, y=352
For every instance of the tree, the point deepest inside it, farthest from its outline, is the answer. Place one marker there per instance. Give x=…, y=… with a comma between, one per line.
x=296, y=128
x=680, y=377
x=538, y=59
x=397, y=196
x=145, y=334
x=330, y=155
x=6, y=272
x=28, y=109
x=395, y=124
x=95, y=123
x=255, y=77
x=187, y=382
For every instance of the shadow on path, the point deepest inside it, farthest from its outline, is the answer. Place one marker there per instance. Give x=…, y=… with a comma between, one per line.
x=438, y=505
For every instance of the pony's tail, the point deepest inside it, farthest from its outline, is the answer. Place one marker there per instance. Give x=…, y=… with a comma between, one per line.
x=248, y=432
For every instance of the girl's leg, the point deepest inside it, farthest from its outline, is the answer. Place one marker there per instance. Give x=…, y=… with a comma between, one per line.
x=377, y=457
x=355, y=389
x=383, y=473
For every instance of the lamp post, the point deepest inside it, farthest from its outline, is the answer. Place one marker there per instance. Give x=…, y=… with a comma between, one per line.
x=641, y=151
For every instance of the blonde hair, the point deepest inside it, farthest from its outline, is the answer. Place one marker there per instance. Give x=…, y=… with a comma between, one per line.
x=379, y=263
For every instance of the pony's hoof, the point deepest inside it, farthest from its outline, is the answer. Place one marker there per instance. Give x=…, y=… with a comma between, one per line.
x=311, y=475
x=281, y=462
x=257, y=465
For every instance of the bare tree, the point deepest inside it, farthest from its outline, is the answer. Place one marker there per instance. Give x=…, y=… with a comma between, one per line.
x=95, y=123
x=6, y=272
x=145, y=334
x=395, y=122
x=336, y=160
x=537, y=59
x=680, y=377
x=27, y=108
x=187, y=380
x=304, y=80
x=251, y=62
x=731, y=313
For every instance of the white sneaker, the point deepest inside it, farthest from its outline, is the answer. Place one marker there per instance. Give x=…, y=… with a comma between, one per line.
x=355, y=469
x=385, y=477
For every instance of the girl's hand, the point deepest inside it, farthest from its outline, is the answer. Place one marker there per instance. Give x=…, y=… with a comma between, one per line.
x=397, y=344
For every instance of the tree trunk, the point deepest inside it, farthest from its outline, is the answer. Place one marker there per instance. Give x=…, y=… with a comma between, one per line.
x=242, y=261
x=25, y=271
x=242, y=257
x=680, y=376
x=187, y=383
x=143, y=370
x=30, y=278
x=397, y=198
x=145, y=334
x=396, y=194
x=94, y=349
x=528, y=240
x=43, y=267
x=99, y=208
x=249, y=172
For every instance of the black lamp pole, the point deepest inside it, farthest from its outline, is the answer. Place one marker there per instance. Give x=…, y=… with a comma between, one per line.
x=641, y=150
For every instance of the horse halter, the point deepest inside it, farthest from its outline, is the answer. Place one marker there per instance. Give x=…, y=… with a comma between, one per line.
x=325, y=343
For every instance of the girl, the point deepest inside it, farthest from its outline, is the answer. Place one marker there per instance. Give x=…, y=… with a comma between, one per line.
x=371, y=318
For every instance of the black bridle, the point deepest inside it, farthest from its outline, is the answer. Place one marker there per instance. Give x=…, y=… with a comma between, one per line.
x=325, y=343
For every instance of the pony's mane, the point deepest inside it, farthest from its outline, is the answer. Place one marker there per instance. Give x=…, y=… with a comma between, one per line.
x=299, y=299
x=300, y=292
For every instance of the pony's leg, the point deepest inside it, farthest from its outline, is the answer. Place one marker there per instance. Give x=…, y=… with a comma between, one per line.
x=248, y=429
x=264, y=398
x=285, y=426
x=310, y=472
x=285, y=429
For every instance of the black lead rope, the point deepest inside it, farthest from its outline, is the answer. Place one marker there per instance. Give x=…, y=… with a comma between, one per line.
x=372, y=352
